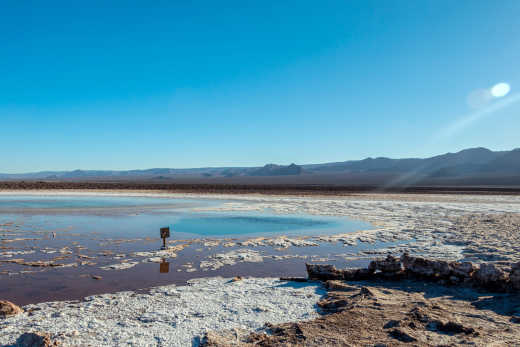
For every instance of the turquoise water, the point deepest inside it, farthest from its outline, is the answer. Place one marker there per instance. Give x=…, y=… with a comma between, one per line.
x=92, y=214
x=230, y=224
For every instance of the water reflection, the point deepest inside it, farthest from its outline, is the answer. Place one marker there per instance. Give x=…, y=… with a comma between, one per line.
x=164, y=266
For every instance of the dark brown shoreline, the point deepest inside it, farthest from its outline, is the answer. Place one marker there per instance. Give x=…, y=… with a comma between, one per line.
x=279, y=189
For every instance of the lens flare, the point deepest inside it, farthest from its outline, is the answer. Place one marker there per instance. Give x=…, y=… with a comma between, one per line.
x=499, y=90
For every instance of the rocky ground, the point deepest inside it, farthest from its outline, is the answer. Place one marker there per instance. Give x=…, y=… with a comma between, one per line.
x=401, y=301
x=408, y=313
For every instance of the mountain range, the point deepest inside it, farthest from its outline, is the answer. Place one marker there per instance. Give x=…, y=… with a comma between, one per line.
x=474, y=165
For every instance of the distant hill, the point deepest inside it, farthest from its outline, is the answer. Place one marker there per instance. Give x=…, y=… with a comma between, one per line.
x=277, y=170
x=469, y=165
x=468, y=160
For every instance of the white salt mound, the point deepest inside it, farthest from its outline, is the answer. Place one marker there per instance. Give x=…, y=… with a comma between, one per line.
x=169, y=315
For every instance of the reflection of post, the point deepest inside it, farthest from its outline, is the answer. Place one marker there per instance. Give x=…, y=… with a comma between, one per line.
x=164, y=267
x=165, y=233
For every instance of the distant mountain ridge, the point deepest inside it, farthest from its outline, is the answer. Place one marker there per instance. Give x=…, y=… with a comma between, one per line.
x=465, y=161
x=468, y=163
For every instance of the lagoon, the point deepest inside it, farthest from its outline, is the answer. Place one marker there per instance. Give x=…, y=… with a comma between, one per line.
x=82, y=235
x=128, y=216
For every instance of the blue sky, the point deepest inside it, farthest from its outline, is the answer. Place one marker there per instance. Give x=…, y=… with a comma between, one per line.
x=140, y=84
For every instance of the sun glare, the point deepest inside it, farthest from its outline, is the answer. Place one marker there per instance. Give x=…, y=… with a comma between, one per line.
x=499, y=90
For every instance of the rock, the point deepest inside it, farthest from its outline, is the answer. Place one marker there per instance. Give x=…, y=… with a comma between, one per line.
x=367, y=292
x=428, y=267
x=357, y=274
x=514, y=276
x=419, y=314
x=350, y=274
x=334, y=304
x=323, y=272
x=401, y=336
x=406, y=260
x=454, y=280
x=294, y=279
x=417, y=265
x=224, y=338
x=450, y=327
x=35, y=339
x=390, y=264
x=489, y=276
x=515, y=319
x=96, y=277
x=455, y=328
x=441, y=268
x=7, y=309
x=462, y=269
x=391, y=324
x=339, y=286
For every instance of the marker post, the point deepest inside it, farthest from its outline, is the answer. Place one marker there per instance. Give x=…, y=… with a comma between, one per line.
x=165, y=233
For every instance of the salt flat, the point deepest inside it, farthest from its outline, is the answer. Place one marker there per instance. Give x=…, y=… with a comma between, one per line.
x=479, y=228
x=433, y=225
x=167, y=315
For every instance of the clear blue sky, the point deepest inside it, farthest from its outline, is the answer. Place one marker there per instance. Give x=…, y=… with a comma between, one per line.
x=141, y=84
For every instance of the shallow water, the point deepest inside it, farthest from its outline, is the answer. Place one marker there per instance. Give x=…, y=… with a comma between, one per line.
x=109, y=229
x=121, y=216
x=68, y=204
x=67, y=201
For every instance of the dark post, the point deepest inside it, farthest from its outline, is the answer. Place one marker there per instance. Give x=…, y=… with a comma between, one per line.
x=165, y=233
